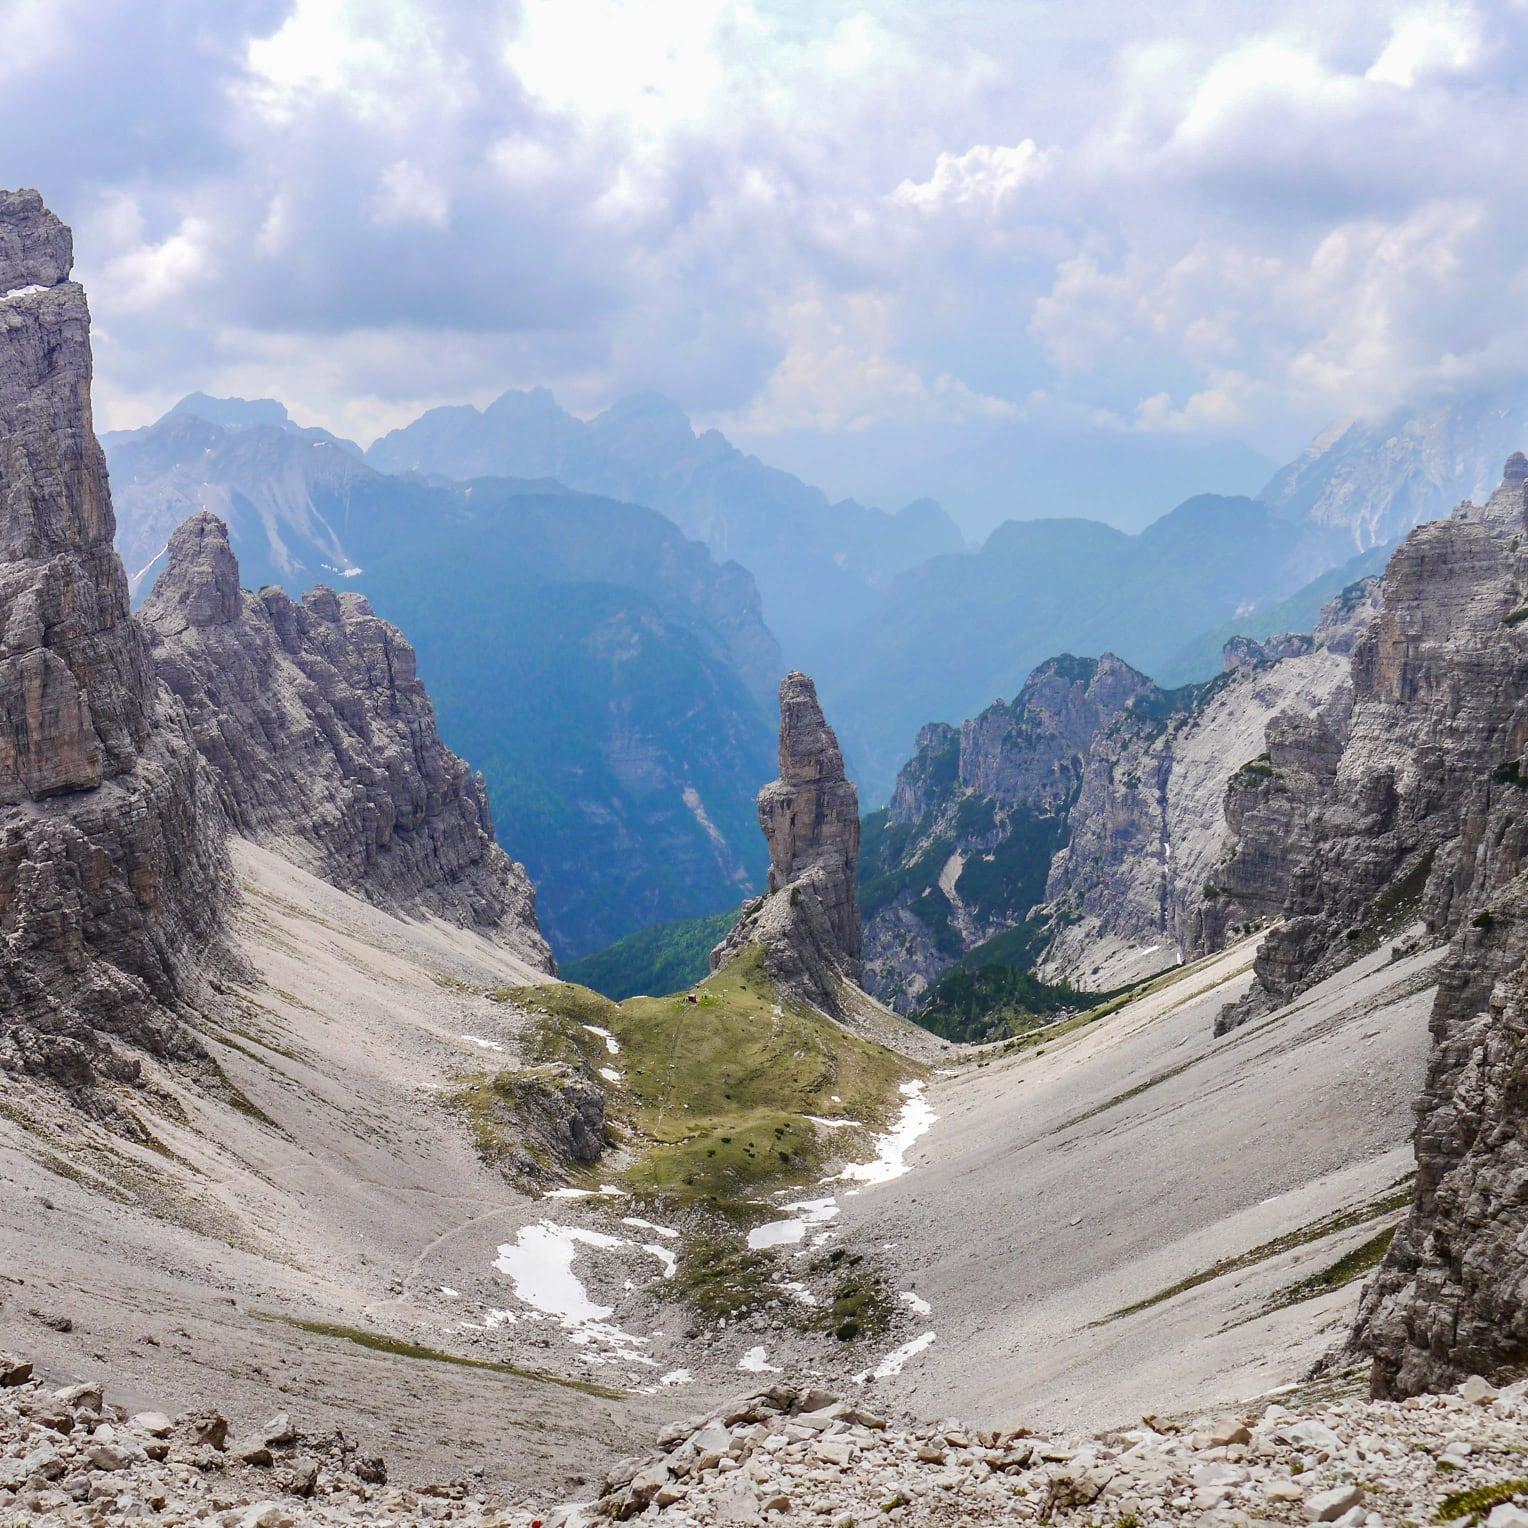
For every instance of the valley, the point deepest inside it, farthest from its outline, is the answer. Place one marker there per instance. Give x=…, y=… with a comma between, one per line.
x=1122, y=1124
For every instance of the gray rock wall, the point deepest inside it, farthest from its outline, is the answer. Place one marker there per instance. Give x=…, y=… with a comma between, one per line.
x=114, y=879
x=323, y=742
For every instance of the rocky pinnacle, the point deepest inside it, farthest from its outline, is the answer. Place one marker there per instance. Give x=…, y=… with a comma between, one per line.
x=808, y=922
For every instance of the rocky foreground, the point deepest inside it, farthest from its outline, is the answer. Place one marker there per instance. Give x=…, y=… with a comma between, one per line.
x=786, y=1455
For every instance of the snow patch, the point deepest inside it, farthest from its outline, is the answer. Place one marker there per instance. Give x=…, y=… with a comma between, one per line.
x=784, y=1233
x=756, y=1361
x=892, y=1148
x=916, y=1303
x=611, y=1043
x=539, y=1264
x=486, y=1044
x=637, y=1223
x=894, y=1360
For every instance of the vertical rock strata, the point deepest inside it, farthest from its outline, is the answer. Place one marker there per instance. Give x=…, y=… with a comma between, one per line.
x=113, y=876
x=322, y=741
x=808, y=921
x=1452, y=1295
x=1438, y=683
x=1269, y=797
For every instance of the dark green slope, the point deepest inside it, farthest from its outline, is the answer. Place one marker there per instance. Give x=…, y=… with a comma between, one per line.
x=668, y=957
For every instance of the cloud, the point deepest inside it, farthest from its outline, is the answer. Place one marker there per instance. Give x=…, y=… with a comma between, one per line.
x=985, y=178
x=794, y=214
x=840, y=371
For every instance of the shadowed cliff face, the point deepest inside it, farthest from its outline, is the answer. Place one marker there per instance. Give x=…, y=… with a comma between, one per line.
x=113, y=874
x=1452, y=1295
x=323, y=742
x=808, y=922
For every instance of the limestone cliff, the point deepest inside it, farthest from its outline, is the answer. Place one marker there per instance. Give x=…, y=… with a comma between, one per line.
x=1075, y=829
x=113, y=874
x=1438, y=679
x=1425, y=816
x=323, y=742
x=808, y=921
x=1268, y=796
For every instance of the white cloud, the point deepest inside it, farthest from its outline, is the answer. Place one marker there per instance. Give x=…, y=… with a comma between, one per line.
x=800, y=214
x=841, y=371
x=1443, y=40
x=986, y=178
x=410, y=194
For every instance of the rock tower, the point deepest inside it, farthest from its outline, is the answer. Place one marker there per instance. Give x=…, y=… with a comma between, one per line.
x=808, y=921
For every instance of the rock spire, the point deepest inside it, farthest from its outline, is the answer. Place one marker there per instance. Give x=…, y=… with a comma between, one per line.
x=808, y=921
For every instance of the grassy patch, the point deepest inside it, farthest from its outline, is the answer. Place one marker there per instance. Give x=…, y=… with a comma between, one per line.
x=1318, y=1230
x=714, y=1091
x=721, y=1280
x=1476, y=1503
x=861, y=1305
x=396, y=1347
x=1351, y=1265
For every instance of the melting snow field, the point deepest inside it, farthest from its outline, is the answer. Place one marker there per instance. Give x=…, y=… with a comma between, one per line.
x=916, y=1303
x=611, y=1043
x=893, y=1361
x=892, y=1148
x=486, y=1044
x=25, y=291
x=756, y=1361
x=610, y=1074
x=539, y=1263
x=784, y=1233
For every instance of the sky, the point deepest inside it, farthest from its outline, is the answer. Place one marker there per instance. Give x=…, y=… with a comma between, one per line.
x=807, y=222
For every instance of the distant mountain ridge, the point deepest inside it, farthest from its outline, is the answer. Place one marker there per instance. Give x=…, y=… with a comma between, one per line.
x=606, y=673
x=818, y=563
x=1363, y=484
x=953, y=633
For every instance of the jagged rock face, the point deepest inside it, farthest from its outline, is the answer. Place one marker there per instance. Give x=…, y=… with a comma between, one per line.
x=1437, y=681
x=1452, y=1296
x=1248, y=652
x=964, y=848
x=1080, y=823
x=808, y=921
x=113, y=874
x=1269, y=797
x=323, y=742
x=1127, y=895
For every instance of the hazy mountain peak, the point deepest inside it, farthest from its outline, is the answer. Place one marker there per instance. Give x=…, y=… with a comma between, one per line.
x=233, y=413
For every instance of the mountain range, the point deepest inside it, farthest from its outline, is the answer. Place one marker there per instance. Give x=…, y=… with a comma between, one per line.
x=301, y=1134
x=606, y=674
x=817, y=563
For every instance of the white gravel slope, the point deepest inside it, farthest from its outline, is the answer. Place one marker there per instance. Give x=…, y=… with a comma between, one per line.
x=1089, y=1173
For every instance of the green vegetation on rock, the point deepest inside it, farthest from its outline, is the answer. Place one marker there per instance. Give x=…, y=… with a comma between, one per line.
x=715, y=1092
